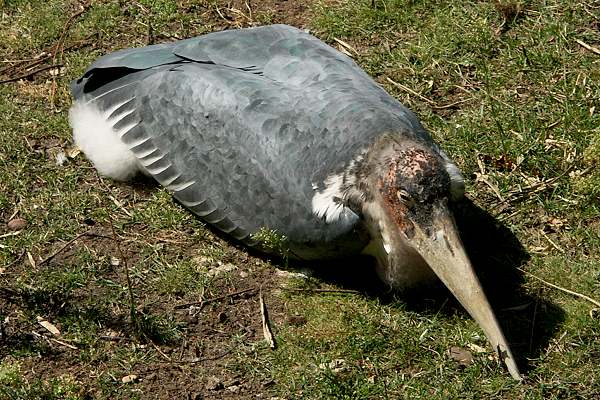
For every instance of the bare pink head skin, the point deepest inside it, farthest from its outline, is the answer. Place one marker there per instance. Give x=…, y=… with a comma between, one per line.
x=404, y=190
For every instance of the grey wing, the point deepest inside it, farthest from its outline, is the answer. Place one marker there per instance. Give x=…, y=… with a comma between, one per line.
x=243, y=126
x=212, y=136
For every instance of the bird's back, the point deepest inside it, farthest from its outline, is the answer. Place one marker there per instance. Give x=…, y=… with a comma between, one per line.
x=249, y=129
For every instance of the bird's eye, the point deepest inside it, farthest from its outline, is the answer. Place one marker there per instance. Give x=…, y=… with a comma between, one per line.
x=404, y=197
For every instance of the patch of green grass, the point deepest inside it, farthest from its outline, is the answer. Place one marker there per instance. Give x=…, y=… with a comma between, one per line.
x=48, y=289
x=510, y=96
x=179, y=278
x=14, y=386
x=156, y=327
x=272, y=242
x=355, y=348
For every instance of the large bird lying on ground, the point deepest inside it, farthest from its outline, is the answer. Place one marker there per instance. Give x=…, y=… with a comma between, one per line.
x=270, y=128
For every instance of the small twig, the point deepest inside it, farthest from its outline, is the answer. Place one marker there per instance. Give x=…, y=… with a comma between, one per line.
x=349, y=291
x=132, y=312
x=83, y=43
x=198, y=360
x=555, y=343
x=182, y=348
x=264, y=316
x=249, y=10
x=166, y=357
x=588, y=47
x=46, y=55
x=38, y=335
x=450, y=105
x=220, y=14
x=582, y=296
x=60, y=43
x=485, y=179
x=557, y=247
x=31, y=260
x=32, y=63
x=16, y=260
x=118, y=204
x=202, y=303
x=47, y=339
x=64, y=344
x=59, y=47
x=431, y=102
x=9, y=234
x=346, y=46
x=57, y=252
x=31, y=73
x=114, y=338
x=98, y=235
x=409, y=90
x=535, y=308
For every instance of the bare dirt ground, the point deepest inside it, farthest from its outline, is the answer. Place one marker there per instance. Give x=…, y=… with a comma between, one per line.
x=214, y=329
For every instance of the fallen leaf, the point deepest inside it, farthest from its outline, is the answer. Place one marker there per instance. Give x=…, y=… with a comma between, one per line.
x=31, y=260
x=112, y=334
x=49, y=326
x=234, y=388
x=203, y=260
x=73, y=152
x=555, y=224
x=280, y=273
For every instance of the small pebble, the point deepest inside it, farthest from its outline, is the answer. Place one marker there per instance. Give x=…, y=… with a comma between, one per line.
x=222, y=317
x=129, y=378
x=460, y=355
x=17, y=224
x=214, y=383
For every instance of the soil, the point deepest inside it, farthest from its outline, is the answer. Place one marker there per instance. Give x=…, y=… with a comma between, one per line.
x=200, y=364
x=197, y=365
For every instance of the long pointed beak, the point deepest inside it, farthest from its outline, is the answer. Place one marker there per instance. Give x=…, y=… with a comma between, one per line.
x=444, y=252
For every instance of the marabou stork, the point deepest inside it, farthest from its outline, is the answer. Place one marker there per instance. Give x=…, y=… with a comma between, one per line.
x=270, y=128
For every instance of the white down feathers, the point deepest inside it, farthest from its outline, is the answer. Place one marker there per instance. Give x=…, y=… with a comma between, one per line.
x=93, y=133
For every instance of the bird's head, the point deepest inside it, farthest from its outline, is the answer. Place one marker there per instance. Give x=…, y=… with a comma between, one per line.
x=403, y=189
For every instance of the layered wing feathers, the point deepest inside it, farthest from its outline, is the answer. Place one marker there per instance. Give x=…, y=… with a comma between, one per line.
x=245, y=127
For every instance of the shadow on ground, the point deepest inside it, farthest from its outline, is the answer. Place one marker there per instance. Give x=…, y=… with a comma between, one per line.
x=529, y=321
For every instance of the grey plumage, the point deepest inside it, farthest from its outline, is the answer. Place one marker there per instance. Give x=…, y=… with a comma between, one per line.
x=245, y=126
